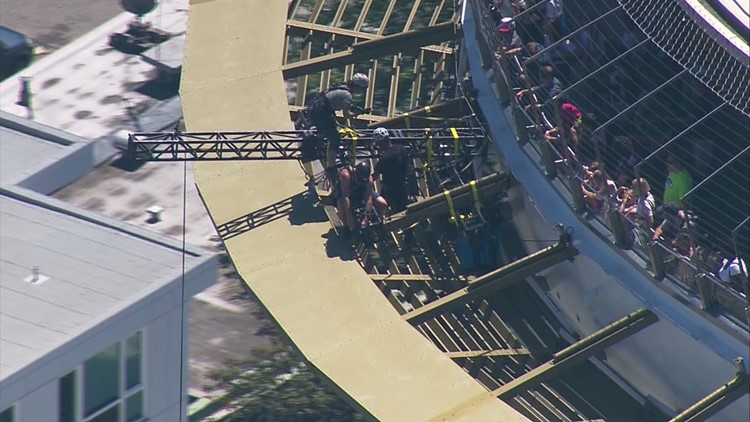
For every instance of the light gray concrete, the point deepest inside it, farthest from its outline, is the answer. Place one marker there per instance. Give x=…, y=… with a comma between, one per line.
x=92, y=272
x=54, y=23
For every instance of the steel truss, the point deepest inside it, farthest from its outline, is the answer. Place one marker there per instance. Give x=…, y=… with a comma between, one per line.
x=296, y=144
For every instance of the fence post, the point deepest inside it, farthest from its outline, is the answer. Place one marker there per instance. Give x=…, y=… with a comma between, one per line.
x=548, y=157
x=704, y=290
x=576, y=192
x=657, y=260
x=618, y=229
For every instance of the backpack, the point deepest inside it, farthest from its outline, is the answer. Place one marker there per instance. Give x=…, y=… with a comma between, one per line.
x=319, y=98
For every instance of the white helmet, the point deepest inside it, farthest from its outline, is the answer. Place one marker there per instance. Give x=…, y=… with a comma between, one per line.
x=360, y=80
x=380, y=134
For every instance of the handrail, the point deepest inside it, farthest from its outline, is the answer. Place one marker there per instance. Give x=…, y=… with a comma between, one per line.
x=704, y=284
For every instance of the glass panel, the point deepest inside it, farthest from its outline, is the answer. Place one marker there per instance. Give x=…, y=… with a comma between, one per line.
x=111, y=415
x=67, y=396
x=133, y=346
x=8, y=415
x=134, y=407
x=101, y=379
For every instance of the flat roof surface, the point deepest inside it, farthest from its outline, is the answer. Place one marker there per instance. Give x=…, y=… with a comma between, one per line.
x=88, y=272
x=330, y=309
x=20, y=153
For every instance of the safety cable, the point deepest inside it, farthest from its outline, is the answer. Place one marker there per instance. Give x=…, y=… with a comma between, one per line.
x=182, y=291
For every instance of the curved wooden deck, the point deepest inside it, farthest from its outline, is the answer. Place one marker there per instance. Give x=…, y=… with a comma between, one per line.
x=329, y=308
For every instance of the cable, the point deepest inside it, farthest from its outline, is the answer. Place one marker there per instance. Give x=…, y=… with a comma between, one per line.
x=182, y=292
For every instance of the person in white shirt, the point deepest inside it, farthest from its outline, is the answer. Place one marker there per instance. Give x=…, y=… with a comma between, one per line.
x=731, y=271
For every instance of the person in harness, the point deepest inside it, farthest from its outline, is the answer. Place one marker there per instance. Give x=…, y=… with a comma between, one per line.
x=323, y=114
x=394, y=166
x=356, y=189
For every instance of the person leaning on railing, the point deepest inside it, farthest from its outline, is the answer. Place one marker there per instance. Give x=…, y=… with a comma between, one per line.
x=639, y=204
x=548, y=88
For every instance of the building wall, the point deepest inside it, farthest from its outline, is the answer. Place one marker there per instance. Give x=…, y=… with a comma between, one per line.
x=659, y=361
x=34, y=389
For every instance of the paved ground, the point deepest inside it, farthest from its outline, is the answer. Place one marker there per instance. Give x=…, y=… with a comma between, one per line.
x=54, y=23
x=90, y=89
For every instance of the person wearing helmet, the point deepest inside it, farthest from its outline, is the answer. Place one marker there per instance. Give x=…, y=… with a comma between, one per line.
x=357, y=189
x=323, y=112
x=394, y=166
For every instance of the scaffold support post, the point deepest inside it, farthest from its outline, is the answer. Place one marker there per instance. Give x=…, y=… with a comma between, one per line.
x=719, y=399
x=580, y=351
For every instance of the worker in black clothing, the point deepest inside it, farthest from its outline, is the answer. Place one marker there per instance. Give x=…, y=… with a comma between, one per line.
x=323, y=114
x=356, y=189
x=394, y=166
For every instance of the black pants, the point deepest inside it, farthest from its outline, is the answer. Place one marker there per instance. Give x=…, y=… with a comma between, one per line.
x=324, y=119
x=397, y=197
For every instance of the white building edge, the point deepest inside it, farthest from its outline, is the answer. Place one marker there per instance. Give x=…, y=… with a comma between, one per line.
x=100, y=331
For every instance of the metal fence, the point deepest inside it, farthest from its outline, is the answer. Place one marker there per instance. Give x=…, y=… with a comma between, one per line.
x=650, y=109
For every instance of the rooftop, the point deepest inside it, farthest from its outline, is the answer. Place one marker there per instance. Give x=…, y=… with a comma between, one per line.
x=21, y=152
x=87, y=272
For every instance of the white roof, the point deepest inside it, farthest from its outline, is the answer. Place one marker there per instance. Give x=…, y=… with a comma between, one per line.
x=92, y=272
x=90, y=266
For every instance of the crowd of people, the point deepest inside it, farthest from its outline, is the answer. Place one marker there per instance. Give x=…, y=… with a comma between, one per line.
x=604, y=160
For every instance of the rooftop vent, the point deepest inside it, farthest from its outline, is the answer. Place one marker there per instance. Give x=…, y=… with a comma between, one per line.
x=36, y=277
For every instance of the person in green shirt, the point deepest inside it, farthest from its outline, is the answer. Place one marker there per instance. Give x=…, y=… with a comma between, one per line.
x=679, y=182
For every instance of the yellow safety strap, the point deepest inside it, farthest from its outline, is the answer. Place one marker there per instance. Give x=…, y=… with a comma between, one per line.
x=345, y=131
x=452, y=210
x=454, y=132
x=407, y=120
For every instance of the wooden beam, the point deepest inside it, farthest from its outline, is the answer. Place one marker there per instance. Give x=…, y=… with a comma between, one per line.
x=487, y=353
x=579, y=352
x=461, y=196
x=719, y=398
x=366, y=50
x=412, y=277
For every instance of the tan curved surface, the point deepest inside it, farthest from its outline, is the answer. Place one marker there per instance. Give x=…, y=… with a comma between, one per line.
x=329, y=308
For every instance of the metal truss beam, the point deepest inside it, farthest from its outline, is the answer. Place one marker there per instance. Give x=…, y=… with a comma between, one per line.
x=397, y=278
x=497, y=280
x=366, y=50
x=461, y=196
x=578, y=352
x=719, y=399
x=314, y=30
x=282, y=145
x=473, y=354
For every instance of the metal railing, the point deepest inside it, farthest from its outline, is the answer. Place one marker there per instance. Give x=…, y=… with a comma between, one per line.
x=691, y=266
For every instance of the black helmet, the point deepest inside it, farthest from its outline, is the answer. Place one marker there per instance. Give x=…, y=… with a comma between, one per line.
x=362, y=170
